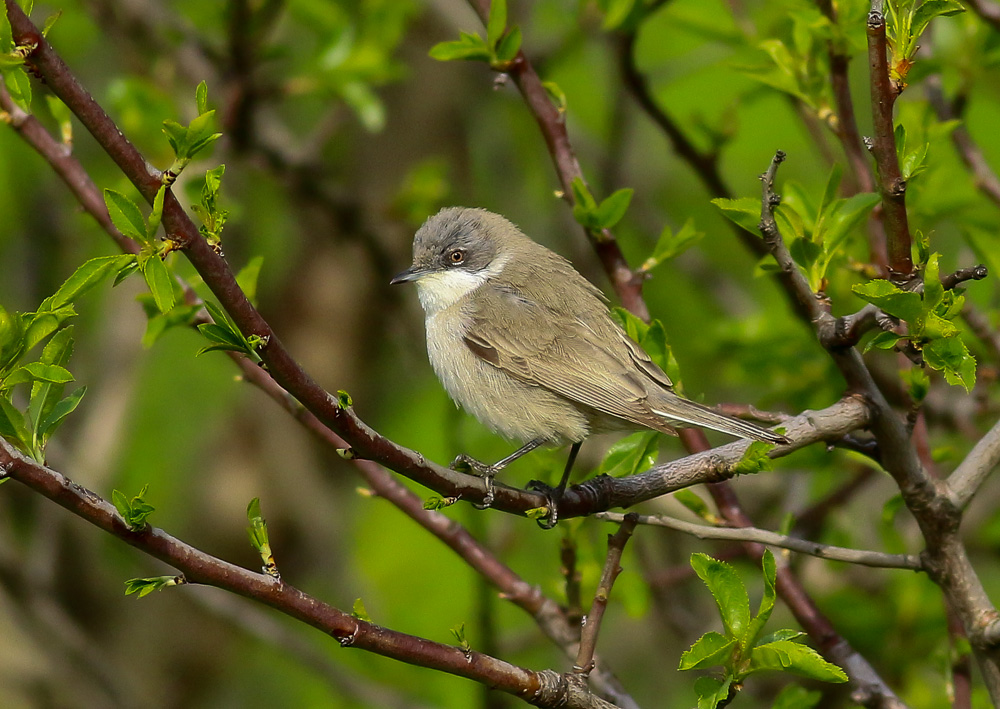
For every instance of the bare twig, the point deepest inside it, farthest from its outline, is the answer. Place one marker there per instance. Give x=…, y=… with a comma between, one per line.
x=612, y=567
x=892, y=187
x=762, y=536
x=969, y=273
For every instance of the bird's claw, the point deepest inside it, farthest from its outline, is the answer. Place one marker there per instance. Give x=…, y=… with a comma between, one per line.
x=552, y=496
x=465, y=463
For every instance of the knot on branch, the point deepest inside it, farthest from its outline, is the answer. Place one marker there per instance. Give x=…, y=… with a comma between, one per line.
x=876, y=20
x=595, y=494
x=553, y=689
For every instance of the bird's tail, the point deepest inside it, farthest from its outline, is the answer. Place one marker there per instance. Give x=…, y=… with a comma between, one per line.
x=688, y=412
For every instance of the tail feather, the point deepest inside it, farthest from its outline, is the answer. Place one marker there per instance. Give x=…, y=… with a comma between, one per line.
x=689, y=412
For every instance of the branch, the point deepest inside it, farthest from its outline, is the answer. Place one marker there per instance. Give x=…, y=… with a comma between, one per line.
x=546, y=688
x=552, y=621
x=892, y=187
x=972, y=472
x=783, y=541
x=612, y=567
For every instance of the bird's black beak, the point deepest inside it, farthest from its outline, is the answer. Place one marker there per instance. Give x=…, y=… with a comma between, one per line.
x=411, y=274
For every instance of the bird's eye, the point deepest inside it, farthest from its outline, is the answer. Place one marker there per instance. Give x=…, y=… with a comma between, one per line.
x=456, y=257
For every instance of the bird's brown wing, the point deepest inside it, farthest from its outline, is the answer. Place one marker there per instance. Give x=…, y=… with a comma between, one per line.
x=585, y=358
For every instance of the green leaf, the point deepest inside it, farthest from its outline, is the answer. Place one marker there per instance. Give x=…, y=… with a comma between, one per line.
x=39, y=372
x=728, y=590
x=144, y=587
x=905, y=305
x=928, y=10
x=133, y=511
x=156, y=215
x=687, y=497
x=744, y=212
x=631, y=455
x=933, y=290
x=841, y=217
x=509, y=45
x=247, y=278
x=84, y=278
x=883, y=341
x=754, y=459
x=617, y=12
x=156, y=326
x=344, y=399
x=496, y=22
x=60, y=411
x=789, y=656
x=712, y=691
x=359, y=611
x=125, y=215
x=709, y=650
x=201, y=97
x=177, y=136
x=161, y=285
x=470, y=46
x=13, y=426
x=613, y=208
x=797, y=697
x=756, y=626
x=671, y=245
x=951, y=357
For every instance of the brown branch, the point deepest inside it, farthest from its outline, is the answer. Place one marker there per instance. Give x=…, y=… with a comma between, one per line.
x=554, y=623
x=892, y=187
x=626, y=282
x=612, y=567
x=546, y=688
x=932, y=503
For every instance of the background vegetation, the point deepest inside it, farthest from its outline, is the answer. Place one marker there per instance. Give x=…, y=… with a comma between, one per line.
x=340, y=134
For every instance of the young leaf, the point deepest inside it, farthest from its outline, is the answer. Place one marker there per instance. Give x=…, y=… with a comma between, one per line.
x=631, y=455
x=247, y=278
x=951, y=357
x=728, y=590
x=712, y=691
x=709, y=650
x=144, y=587
x=496, y=22
x=789, y=656
x=766, y=601
x=744, y=212
x=60, y=411
x=905, y=305
x=85, y=277
x=687, y=497
x=201, y=97
x=160, y=283
x=613, y=208
x=670, y=245
x=883, y=341
x=754, y=459
x=469, y=46
x=359, y=611
x=257, y=531
x=509, y=45
x=133, y=511
x=125, y=215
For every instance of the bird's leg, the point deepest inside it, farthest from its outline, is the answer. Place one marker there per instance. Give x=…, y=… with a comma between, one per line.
x=553, y=495
x=488, y=472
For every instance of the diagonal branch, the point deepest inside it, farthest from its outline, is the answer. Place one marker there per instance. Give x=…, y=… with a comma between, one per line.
x=972, y=472
x=546, y=688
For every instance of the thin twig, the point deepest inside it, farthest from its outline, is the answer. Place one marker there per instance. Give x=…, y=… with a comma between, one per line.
x=612, y=567
x=892, y=187
x=762, y=536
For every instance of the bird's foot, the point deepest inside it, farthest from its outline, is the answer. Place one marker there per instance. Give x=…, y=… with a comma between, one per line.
x=552, y=496
x=468, y=464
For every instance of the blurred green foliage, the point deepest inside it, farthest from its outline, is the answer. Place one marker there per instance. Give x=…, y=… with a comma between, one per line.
x=340, y=133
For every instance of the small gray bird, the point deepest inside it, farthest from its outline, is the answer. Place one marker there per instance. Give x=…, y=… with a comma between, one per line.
x=526, y=344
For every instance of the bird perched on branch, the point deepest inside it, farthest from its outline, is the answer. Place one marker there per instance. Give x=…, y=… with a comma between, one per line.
x=527, y=345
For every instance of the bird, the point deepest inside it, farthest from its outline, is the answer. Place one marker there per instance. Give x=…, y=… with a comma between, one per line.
x=527, y=345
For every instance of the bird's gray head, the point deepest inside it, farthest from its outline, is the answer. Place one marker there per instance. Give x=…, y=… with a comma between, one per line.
x=455, y=252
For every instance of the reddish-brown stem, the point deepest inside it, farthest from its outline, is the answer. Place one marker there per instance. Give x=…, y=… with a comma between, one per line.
x=892, y=187
x=612, y=567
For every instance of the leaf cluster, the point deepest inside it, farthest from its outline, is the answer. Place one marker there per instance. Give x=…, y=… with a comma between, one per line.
x=742, y=649
x=499, y=48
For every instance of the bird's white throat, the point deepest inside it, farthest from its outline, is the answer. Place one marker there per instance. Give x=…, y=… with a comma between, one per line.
x=442, y=289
